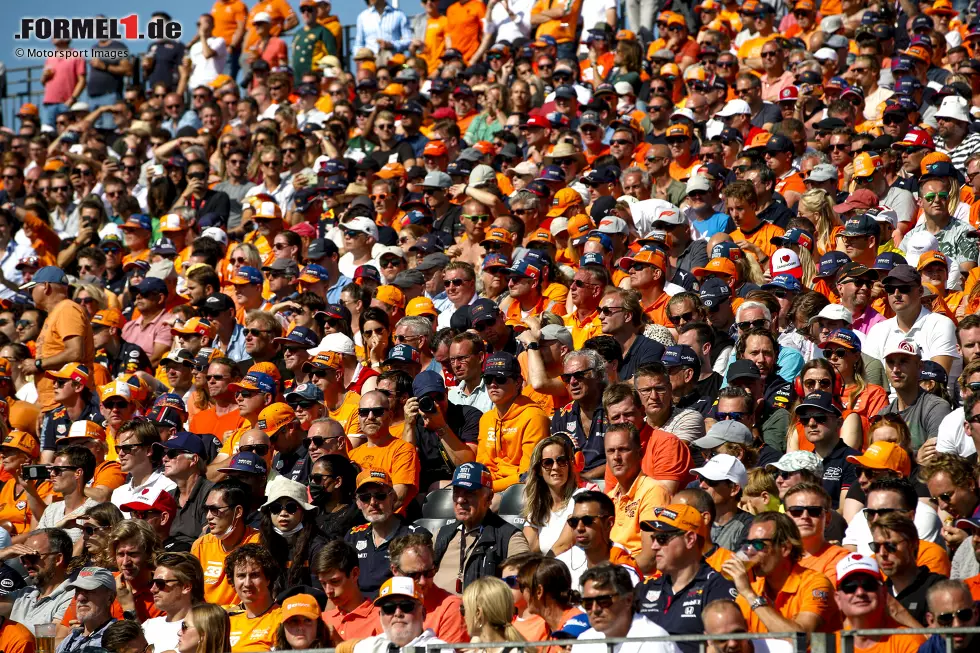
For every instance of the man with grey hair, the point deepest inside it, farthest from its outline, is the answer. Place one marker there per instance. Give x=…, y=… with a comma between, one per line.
x=636, y=182
x=417, y=331
x=950, y=605
x=95, y=591
x=584, y=419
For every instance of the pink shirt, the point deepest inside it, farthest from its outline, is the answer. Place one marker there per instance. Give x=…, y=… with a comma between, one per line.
x=866, y=320
x=66, y=73
x=145, y=334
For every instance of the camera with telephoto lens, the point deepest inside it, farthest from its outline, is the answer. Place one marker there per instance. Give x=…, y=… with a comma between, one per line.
x=427, y=404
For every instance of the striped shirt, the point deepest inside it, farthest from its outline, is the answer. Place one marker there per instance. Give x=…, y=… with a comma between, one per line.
x=390, y=25
x=961, y=152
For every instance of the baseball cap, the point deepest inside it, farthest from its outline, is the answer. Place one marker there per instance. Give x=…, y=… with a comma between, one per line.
x=884, y=455
x=723, y=467
x=727, y=431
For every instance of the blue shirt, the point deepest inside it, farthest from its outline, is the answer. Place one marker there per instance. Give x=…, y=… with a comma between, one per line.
x=390, y=25
x=333, y=293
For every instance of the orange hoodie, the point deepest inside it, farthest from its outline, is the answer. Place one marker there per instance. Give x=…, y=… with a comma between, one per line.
x=506, y=442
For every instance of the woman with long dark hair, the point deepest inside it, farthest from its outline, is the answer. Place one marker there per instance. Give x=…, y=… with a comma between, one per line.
x=287, y=513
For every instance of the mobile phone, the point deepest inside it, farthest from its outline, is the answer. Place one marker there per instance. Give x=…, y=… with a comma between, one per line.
x=36, y=472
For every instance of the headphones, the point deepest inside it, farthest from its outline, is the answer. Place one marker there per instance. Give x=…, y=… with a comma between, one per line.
x=838, y=388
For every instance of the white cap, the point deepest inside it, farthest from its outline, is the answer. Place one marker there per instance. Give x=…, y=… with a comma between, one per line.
x=390, y=250
x=723, y=468
x=917, y=244
x=834, y=312
x=624, y=88
x=683, y=113
x=217, y=234
x=612, y=224
x=559, y=225
x=954, y=107
x=362, y=224
x=735, y=108
x=831, y=24
x=825, y=53
x=337, y=343
x=906, y=347
x=857, y=563
x=261, y=17
x=697, y=182
x=783, y=260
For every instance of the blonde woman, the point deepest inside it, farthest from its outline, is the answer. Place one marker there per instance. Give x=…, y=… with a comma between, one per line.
x=817, y=207
x=205, y=630
x=488, y=608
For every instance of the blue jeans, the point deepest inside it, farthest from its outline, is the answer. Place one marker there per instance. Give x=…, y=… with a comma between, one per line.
x=50, y=112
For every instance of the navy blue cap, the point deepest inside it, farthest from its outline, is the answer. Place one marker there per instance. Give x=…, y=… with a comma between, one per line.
x=299, y=336
x=714, y=292
x=483, y=309
x=428, y=382
x=151, y=285
x=472, y=476
x=785, y=282
x=933, y=371
x=502, y=363
x=830, y=263
x=183, y=441
x=305, y=391
x=248, y=462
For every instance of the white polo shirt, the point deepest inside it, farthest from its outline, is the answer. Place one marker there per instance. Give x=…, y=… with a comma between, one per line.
x=935, y=335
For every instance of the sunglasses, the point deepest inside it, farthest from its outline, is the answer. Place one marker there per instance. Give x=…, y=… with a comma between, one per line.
x=390, y=607
x=812, y=511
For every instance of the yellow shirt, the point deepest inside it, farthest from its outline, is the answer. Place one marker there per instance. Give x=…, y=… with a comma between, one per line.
x=211, y=553
x=255, y=635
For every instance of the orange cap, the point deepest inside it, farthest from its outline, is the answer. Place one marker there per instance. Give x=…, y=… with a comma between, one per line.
x=865, y=164
x=391, y=295
x=301, y=605
x=928, y=258
x=275, y=416
x=564, y=198
x=542, y=236
x=499, y=235
x=109, y=317
x=884, y=455
x=392, y=171
x=73, y=371
x=676, y=516
x=421, y=306
x=717, y=266
x=200, y=326
x=23, y=441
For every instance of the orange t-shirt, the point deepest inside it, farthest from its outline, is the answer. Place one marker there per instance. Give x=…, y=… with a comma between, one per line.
x=464, y=23
x=145, y=608
x=226, y=16
x=207, y=421
x=826, y=561
x=209, y=550
x=16, y=638
x=435, y=41
x=67, y=320
x=761, y=237
x=398, y=459
x=361, y=622
x=805, y=590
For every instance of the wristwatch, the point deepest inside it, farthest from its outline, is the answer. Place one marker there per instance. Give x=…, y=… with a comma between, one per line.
x=534, y=346
x=759, y=602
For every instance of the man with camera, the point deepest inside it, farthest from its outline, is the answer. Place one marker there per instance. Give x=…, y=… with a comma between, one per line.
x=445, y=434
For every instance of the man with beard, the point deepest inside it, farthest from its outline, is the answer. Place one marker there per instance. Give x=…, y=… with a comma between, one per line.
x=95, y=590
x=184, y=463
x=376, y=499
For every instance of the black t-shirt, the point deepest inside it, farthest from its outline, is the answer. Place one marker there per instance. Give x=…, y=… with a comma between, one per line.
x=102, y=82
x=167, y=56
x=401, y=153
x=436, y=466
